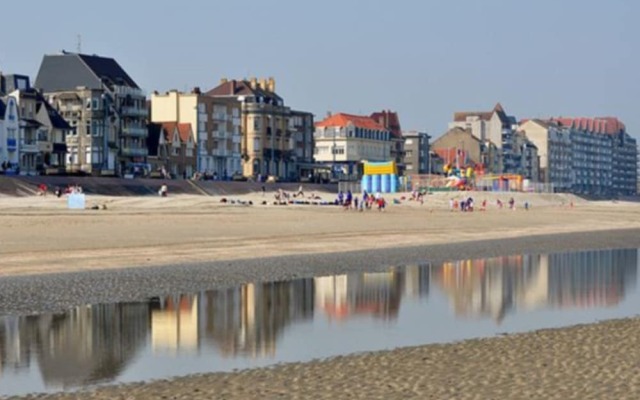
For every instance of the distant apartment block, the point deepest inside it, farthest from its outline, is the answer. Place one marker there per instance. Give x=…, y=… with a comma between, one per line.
x=276, y=140
x=416, y=153
x=216, y=126
x=343, y=141
x=586, y=155
x=33, y=141
x=104, y=106
x=518, y=155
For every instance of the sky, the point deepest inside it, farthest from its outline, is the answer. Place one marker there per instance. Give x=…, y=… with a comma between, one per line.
x=424, y=59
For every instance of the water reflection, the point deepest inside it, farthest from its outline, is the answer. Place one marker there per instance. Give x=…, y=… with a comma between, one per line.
x=96, y=344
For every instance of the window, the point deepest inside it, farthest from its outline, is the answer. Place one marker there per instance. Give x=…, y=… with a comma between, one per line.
x=95, y=104
x=96, y=157
x=87, y=155
x=256, y=123
x=256, y=144
x=88, y=128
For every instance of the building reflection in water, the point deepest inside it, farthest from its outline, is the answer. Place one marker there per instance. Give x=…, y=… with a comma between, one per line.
x=495, y=286
x=94, y=344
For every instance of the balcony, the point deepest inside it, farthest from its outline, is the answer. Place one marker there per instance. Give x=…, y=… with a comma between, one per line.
x=133, y=112
x=220, y=152
x=134, y=152
x=220, y=134
x=134, y=132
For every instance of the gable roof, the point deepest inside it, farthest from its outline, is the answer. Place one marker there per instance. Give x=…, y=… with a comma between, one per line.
x=184, y=131
x=67, y=71
x=484, y=115
x=390, y=120
x=55, y=119
x=455, y=131
x=343, y=120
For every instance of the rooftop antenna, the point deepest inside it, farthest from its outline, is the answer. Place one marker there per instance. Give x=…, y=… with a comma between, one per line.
x=79, y=37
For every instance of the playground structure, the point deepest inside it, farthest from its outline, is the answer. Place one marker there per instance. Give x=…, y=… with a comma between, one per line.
x=485, y=183
x=380, y=177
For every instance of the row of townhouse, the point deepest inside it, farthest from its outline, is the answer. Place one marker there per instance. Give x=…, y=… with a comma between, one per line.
x=585, y=155
x=240, y=127
x=32, y=133
x=86, y=115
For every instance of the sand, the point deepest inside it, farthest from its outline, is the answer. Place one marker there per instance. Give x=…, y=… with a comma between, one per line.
x=39, y=235
x=598, y=361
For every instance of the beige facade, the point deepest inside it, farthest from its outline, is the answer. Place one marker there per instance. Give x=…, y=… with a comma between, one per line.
x=216, y=125
x=554, y=152
x=275, y=139
x=474, y=150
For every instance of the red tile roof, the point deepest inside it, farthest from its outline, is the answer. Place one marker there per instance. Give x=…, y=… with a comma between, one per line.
x=604, y=125
x=342, y=120
x=390, y=120
x=184, y=130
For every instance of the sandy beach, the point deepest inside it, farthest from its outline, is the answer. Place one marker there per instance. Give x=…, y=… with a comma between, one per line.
x=184, y=243
x=41, y=236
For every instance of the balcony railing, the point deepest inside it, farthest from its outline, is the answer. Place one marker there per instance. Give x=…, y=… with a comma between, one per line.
x=134, y=151
x=134, y=131
x=133, y=112
x=220, y=152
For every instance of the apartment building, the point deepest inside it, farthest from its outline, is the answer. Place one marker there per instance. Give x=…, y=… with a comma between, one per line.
x=605, y=156
x=586, y=155
x=517, y=154
x=343, y=141
x=416, y=153
x=554, y=150
x=40, y=136
x=104, y=106
x=271, y=144
x=217, y=128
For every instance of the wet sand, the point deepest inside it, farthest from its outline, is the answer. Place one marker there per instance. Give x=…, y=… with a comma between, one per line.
x=598, y=361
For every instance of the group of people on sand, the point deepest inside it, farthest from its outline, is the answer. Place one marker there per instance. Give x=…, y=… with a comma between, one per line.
x=467, y=204
x=369, y=201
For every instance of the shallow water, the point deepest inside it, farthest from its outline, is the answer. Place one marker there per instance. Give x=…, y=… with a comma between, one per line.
x=262, y=324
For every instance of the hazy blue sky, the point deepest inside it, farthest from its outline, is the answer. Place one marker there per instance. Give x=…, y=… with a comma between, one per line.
x=425, y=59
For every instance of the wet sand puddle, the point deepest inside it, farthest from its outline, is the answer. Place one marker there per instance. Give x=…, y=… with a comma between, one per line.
x=257, y=325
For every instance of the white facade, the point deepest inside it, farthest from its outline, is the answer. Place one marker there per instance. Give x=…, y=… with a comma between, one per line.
x=10, y=133
x=351, y=144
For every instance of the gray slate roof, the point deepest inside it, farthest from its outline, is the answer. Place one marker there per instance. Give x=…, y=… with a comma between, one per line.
x=67, y=71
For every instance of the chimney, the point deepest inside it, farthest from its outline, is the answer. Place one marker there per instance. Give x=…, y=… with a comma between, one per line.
x=196, y=90
x=263, y=84
x=232, y=87
x=253, y=82
x=223, y=81
x=328, y=114
x=271, y=85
